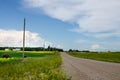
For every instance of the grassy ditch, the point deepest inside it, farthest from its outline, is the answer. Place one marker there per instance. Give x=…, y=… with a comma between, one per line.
x=102, y=56
x=33, y=68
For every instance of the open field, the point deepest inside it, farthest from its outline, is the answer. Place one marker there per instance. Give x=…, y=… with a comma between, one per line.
x=102, y=56
x=19, y=54
x=42, y=66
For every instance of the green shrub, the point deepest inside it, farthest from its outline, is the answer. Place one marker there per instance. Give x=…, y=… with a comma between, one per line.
x=5, y=56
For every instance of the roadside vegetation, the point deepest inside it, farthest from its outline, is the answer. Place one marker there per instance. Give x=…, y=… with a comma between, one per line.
x=101, y=56
x=36, y=66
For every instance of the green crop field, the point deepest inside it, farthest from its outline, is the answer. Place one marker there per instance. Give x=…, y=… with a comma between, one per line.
x=19, y=54
x=102, y=56
x=36, y=66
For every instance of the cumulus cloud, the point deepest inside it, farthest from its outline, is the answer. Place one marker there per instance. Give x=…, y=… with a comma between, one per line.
x=95, y=47
x=94, y=17
x=14, y=38
x=98, y=45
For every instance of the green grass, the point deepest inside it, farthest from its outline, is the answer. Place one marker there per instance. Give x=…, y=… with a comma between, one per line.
x=103, y=56
x=33, y=68
x=4, y=61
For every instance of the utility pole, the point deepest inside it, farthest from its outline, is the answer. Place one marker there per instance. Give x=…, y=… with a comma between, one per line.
x=24, y=37
x=44, y=45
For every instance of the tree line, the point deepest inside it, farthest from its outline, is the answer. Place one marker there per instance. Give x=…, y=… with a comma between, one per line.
x=32, y=48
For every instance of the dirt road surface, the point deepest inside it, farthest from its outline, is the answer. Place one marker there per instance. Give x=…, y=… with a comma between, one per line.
x=84, y=69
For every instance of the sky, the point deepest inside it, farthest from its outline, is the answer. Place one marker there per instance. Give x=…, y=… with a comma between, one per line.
x=69, y=24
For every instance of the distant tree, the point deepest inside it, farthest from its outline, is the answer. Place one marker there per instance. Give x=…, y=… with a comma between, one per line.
x=49, y=48
x=85, y=51
x=2, y=48
x=70, y=50
x=10, y=48
x=60, y=50
x=42, y=49
x=76, y=50
x=109, y=51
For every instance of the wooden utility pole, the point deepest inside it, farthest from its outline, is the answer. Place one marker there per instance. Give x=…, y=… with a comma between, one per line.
x=44, y=45
x=24, y=37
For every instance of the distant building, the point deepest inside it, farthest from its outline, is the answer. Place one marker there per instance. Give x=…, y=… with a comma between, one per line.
x=16, y=49
x=6, y=49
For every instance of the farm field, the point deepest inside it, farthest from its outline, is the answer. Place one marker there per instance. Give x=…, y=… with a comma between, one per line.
x=101, y=56
x=36, y=66
x=19, y=54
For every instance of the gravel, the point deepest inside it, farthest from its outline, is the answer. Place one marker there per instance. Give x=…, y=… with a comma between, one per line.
x=85, y=69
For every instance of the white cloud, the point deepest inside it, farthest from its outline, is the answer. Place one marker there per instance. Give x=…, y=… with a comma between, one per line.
x=98, y=45
x=93, y=16
x=14, y=38
x=95, y=47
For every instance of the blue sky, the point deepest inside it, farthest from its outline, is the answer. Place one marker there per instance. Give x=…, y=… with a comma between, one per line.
x=80, y=24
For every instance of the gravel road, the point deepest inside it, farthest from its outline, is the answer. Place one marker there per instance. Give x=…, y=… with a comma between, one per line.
x=84, y=69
